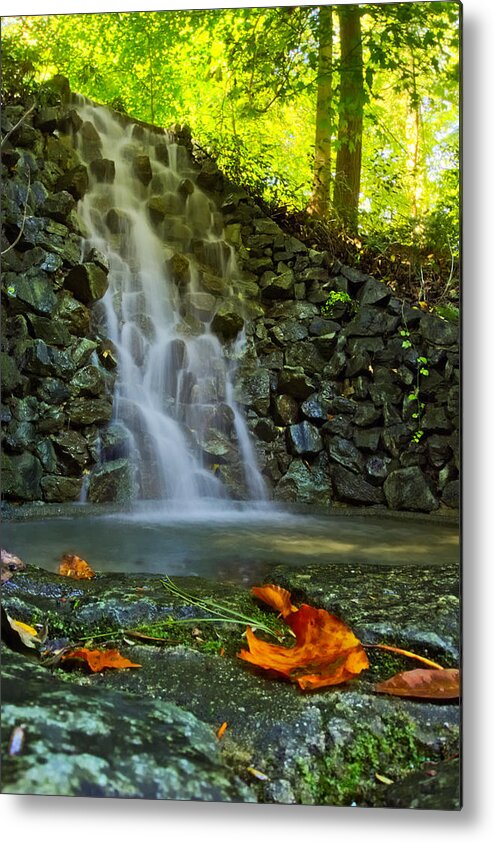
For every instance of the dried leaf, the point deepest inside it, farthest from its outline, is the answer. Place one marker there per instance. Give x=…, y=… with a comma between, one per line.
x=326, y=651
x=75, y=567
x=423, y=684
x=99, y=659
x=28, y=635
x=383, y=779
x=278, y=598
x=221, y=730
x=261, y=776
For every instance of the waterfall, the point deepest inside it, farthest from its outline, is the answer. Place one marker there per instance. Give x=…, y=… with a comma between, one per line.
x=168, y=261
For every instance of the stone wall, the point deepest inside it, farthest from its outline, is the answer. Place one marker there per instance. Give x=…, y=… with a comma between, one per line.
x=57, y=373
x=352, y=394
x=329, y=390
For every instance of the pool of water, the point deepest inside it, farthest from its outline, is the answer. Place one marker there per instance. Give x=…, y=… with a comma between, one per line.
x=236, y=544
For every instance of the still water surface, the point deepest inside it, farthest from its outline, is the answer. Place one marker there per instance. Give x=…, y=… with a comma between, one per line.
x=237, y=545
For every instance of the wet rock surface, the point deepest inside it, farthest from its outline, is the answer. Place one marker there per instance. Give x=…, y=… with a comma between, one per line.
x=152, y=729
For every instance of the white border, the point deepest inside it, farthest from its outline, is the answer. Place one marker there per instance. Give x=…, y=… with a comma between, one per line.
x=52, y=819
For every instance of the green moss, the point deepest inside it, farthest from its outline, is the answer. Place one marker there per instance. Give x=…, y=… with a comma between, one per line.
x=348, y=772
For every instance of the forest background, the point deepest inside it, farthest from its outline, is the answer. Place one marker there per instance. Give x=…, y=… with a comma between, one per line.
x=343, y=120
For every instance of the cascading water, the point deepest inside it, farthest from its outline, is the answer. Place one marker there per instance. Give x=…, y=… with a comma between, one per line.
x=162, y=237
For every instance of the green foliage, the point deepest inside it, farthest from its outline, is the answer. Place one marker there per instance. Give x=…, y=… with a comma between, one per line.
x=246, y=80
x=335, y=297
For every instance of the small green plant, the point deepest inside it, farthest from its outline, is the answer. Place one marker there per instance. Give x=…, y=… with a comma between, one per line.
x=335, y=297
x=421, y=371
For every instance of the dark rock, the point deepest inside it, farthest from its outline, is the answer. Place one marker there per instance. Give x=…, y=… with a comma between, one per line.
x=72, y=448
x=336, y=365
x=75, y=182
x=103, y=170
x=302, y=484
x=159, y=207
x=315, y=408
x=61, y=489
x=299, y=310
x=438, y=450
x=368, y=439
x=83, y=411
x=367, y=414
x=437, y=331
x=88, y=282
x=295, y=382
x=304, y=355
x=287, y=332
x=113, y=482
x=254, y=390
x=41, y=259
x=82, y=352
x=374, y=292
x=161, y=152
x=395, y=438
x=178, y=268
x=435, y=419
x=51, y=331
x=337, y=425
x=10, y=376
x=357, y=364
x=422, y=790
x=52, y=419
x=227, y=321
x=113, y=442
x=157, y=750
x=354, y=275
x=58, y=206
x=352, y=488
x=90, y=141
x=141, y=166
x=378, y=467
x=32, y=291
x=20, y=436
x=265, y=430
x=25, y=409
x=451, y=494
x=21, y=476
x=345, y=453
x=278, y=286
x=70, y=122
x=407, y=488
x=42, y=360
x=370, y=321
x=303, y=438
x=285, y=410
x=47, y=119
x=323, y=327
x=383, y=393
x=118, y=222
x=338, y=404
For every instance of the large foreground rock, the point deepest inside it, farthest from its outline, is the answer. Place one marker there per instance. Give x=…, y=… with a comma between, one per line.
x=149, y=731
x=82, y=741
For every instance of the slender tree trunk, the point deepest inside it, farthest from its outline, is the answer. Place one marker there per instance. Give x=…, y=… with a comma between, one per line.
x=351, y=108
x=321, y=186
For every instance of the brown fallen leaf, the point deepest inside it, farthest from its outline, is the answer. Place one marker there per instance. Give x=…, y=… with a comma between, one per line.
x=99, y=659
x=75, y=567
x=423, y=684
x=278, y=598
x=326, y=651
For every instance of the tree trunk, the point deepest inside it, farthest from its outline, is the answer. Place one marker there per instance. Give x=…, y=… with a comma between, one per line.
x=351, y=107
x=320, y=198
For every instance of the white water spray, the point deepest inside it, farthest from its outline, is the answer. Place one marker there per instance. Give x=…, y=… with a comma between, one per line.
x=174, y=392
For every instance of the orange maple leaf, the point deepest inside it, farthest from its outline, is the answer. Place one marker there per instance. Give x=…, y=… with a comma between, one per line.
x=77, y=568
x=99, y=659
x=326, y=651
x=278, y=598
x=423, y=684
